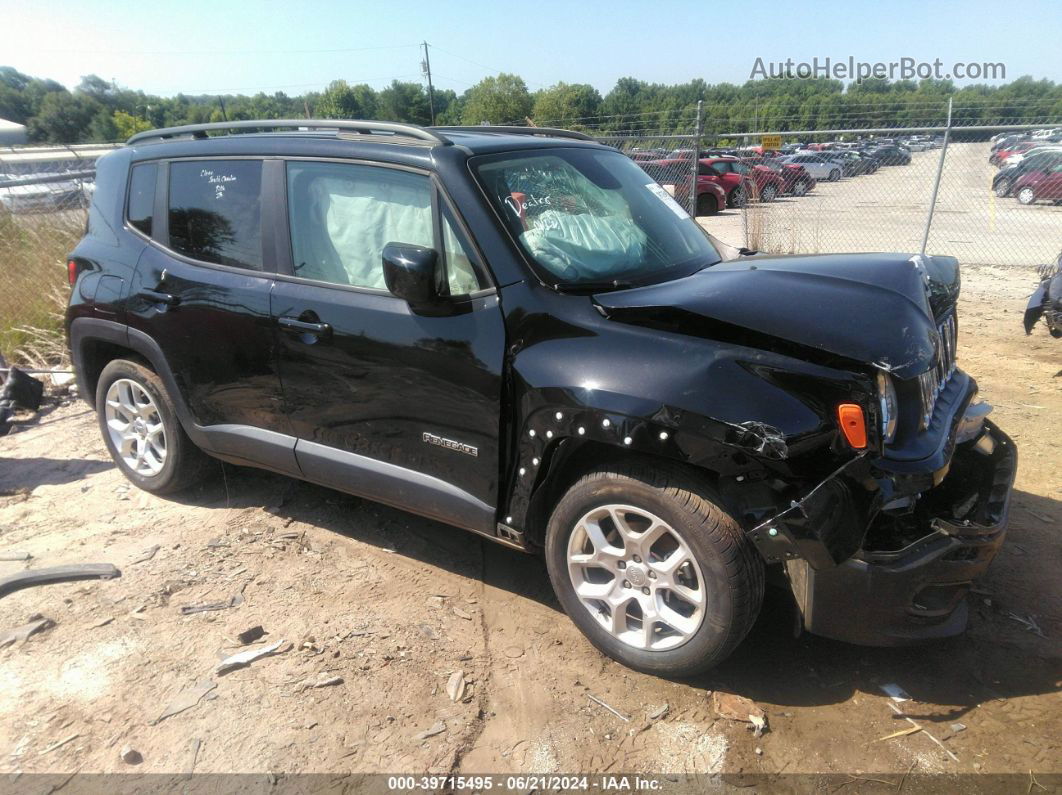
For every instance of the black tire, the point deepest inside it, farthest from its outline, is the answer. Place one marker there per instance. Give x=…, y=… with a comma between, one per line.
x=1026, y=195
x=707, y=204
x=769, y=193
x=737, y=198
x=835, y=175
x=733, y=572
x=800, y=187
x=1002, y=189
x=184, y=462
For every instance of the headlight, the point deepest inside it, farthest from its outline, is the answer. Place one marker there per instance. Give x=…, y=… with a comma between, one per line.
x=887, y=398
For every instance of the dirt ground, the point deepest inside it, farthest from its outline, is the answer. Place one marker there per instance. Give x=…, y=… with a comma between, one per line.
x=394, y=605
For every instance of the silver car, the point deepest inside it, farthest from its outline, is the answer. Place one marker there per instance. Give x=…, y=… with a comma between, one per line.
x=817, y=164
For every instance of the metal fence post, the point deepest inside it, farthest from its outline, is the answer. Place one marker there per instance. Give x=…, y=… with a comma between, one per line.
x=936, y=182
x=696, y=157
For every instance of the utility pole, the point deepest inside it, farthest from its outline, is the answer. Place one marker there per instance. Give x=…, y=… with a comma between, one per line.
x=425, y=67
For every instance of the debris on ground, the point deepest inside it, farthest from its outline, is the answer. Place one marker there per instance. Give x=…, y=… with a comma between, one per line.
x=186, y=699
x=659, y=712
x=21, y=634
x=512, y=652
x=900, y=733
x=187, y=610
x=60, y=744
x=56, y=574
x=613, y=710
x=147, y=555
x=130, y=755
x=462, y=614
x=957, y=727
x=329, y=682
x=245, y=658
x=20, y=391
x=455, y=688
x=256, y=632
x=919, y=728
x=438, y=728
x=739, y=708
x=895, y=692
x=1028, y=622
x=17, y=557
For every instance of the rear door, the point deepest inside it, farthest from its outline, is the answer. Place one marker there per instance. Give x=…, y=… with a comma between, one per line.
x=201, y=293
x=396, y=406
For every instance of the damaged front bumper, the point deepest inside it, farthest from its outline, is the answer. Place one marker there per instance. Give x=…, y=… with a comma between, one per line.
x=918, y=558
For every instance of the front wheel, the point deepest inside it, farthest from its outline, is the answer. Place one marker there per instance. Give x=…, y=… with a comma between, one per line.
x=737, y=198
x=769, y=193
x=800, y=187
x=141, y=431
x=1026, y=196
x=1002, y=189
x=652, y=569
x=835, y=175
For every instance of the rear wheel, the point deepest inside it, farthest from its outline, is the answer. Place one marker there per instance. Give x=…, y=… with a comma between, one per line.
x=141, y=431
x=737, y=198
x=835, y=175
x=653, y=571
x=707, y=204
x=1026, y=196
x=1002, y=188
x=769, y=193
x=800, y=187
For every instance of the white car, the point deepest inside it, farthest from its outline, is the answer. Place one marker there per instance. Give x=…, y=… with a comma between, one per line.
x=1014, y=159
x=817, y=165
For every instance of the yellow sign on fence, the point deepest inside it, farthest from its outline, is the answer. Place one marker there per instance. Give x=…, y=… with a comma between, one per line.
x=771, y=142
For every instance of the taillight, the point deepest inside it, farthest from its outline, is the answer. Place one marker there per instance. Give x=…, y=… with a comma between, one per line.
x=71, y=271
x=853, y=425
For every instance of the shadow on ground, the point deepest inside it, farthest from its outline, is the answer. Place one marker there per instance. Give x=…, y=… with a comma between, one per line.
x=772, y=665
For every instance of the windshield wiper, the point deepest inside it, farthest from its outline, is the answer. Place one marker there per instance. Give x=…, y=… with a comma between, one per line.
x=594, y=286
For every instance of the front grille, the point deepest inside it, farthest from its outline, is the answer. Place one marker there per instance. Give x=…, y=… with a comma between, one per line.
x=933, y=381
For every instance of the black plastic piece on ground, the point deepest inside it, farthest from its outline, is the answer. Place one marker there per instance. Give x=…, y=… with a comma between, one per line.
x=57, y=574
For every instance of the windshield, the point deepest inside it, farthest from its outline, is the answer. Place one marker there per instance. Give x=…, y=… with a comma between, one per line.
x=593, y=217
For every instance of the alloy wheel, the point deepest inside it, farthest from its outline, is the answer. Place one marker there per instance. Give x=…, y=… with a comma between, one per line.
x=136, y=428
x=1026, y=196
x=637, y=577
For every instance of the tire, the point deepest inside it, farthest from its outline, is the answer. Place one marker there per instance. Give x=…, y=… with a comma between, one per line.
x=1002, y=189
x=718, y=563
x=835, y=175
x=800, y=188
x=160, y=459
x=707, y=204
x=737, y=198
x=769, y=193
x=1026, y=195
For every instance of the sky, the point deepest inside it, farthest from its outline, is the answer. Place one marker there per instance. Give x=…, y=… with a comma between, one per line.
x=245, y=46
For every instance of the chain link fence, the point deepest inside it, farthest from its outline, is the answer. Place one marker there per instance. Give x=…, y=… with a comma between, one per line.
x=947, y=191
x=44, y=196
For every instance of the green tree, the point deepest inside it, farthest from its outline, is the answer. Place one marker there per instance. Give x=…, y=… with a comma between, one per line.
x=339, y=101
x=565, y=102
x=127, y=125
x=499, y=100
x=406, y=102
x=63, y=118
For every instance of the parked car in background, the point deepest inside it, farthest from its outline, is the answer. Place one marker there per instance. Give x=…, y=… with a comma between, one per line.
x=796, y=180
x=736, y=179
x=674, y=177
x=1000, y=155
x=854, y=163
x=1004, y=179
x=1038, y=185
x=1018, y=157
x=890, y=155
x=816, y=165
x=1046, y=300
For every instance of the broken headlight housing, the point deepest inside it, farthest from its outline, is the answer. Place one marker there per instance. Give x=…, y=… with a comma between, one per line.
x=887, y=399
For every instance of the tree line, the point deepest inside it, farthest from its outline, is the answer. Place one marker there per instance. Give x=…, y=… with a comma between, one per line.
x=97, y=110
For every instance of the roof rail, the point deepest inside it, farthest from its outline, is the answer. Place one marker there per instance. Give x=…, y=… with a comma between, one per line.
x=342, y=125
x=552, y=132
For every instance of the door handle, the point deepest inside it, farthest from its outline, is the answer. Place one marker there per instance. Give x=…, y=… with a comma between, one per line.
x=304, y=327
x=156, y=297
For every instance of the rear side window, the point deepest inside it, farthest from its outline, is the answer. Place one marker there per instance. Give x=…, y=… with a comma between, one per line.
x=215, y=211
x=142, y=196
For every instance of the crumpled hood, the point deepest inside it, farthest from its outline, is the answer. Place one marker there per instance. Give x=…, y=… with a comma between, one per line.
x=873, y=308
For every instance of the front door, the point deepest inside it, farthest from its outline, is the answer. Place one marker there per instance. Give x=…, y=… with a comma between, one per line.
x=396, y=406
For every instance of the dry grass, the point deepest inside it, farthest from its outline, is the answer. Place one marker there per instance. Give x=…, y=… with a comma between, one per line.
x=33, y=290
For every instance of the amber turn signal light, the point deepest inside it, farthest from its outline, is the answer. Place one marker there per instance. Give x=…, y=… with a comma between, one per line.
x=853, y=424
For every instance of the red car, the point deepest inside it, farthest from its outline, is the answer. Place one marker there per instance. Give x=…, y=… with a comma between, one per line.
x=1036, y=185
x=675, y=174
x=1000, y=155
x=741, y=181
x=795, y=178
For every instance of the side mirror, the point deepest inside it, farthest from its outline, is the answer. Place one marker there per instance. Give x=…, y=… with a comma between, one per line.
x=410, y=273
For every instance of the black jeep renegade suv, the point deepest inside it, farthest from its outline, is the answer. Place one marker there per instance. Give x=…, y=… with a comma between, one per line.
x=517, y=332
